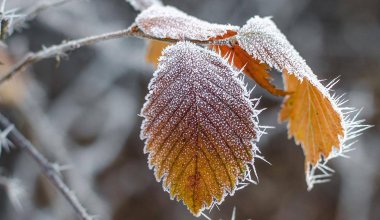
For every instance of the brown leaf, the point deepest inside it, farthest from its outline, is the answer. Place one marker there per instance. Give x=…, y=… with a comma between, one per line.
x=199, y=127
x=313, y=121
x=154, y=51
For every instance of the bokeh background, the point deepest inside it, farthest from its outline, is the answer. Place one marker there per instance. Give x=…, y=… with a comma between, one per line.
x=83, y=112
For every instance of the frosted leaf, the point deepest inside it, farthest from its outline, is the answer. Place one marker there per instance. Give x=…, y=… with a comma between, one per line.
x=316, y=118
x=169, y=22
x=261, y=38
x=200, y=127
x=141, y=5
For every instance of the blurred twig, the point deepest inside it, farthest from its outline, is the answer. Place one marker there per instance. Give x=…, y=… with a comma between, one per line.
x=11, y=21
x=143, y=4
x=59, y=50
x=51, y=171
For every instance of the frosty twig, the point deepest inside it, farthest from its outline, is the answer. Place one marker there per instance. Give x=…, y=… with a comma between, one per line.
x=59, y=50
x=51, y=171
x=32, y=12
x=14, y=19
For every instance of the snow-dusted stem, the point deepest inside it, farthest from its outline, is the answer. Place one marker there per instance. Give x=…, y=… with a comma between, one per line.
x=32, y=12
x=59, y=50
x=49, y=170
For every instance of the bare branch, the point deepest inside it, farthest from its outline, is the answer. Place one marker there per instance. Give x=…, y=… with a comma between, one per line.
x=51, y=171
x=141, y=5
x=32, y=12
x=11, y=21
x=56, y=51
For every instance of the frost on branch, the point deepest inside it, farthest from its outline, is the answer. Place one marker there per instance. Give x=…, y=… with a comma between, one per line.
x=141, y=5
x=169, y=22
x=200, y=127
x=316, y=119
x=5, y=143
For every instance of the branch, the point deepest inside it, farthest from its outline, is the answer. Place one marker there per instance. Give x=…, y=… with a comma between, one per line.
x=11, y=21
x=59, y=50
x=49, y=170
x=32, y=12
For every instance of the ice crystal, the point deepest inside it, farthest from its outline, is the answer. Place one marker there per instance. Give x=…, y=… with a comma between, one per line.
x=200, y=127
x=169, y=22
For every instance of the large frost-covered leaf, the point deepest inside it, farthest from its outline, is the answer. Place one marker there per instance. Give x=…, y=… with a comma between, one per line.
x=315, y=119
x=169, y=22
x=200, y=126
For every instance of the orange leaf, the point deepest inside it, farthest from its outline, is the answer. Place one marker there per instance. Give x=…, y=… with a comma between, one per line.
x=250, y=66
x=253, y=68
x=313, y=121
x=154, y=51
x=199, y=127
x=13, y=91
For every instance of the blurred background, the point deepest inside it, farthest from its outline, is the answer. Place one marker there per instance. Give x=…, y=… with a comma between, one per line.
x=82, y=111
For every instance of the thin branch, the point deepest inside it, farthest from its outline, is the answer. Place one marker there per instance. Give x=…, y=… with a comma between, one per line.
x=11, y=21
x=31, y=13
x=56, y=51
x=50, y=170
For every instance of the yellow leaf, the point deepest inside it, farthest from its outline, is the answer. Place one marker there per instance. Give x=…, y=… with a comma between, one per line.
x=200, y=127
x=313, y=121
x=154, y=51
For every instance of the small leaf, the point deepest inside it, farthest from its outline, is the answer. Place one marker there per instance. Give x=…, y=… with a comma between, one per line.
x=200, y=127
x=168, y=22
x=315, y=118
x=154, y=51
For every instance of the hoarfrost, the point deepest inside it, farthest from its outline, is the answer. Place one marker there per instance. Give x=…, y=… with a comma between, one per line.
x=169, y=22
